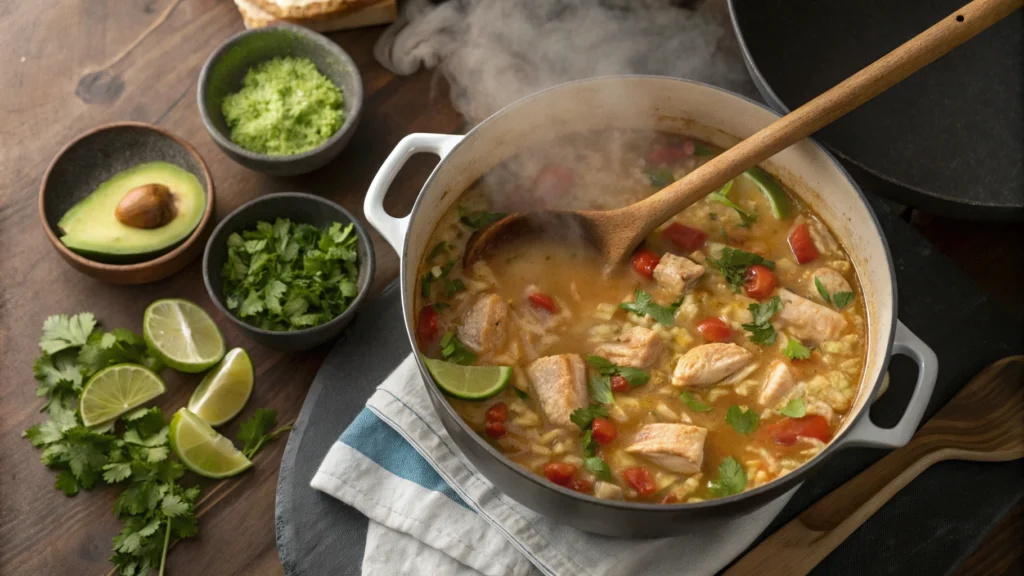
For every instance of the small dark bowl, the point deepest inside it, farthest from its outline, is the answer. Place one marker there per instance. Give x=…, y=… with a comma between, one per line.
x=95, y=157
x=297, y=207
x=223, y=73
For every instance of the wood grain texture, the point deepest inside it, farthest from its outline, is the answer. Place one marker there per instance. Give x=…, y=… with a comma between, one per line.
x=983, y=422
x=70, y=65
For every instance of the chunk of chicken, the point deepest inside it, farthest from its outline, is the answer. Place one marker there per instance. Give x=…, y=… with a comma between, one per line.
x=638, y=347
x=821, y=237
x=710, y=363
x=676, y=447
x=777, y=385
x=832, y=280
x=607, y=490
x=484, y=328
x=675, y=273
x=560, y=383
x=808, y=322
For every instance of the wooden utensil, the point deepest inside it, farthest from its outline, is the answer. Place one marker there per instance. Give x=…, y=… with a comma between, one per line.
x=615, y=233
x=983, y=422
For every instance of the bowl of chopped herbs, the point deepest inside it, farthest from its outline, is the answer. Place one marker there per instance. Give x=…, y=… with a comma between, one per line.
x=290, y=269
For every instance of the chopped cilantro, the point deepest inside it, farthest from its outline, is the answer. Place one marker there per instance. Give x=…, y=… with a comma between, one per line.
x=601, y=389
x=642, y=305
x=478, y=218
x=761, y=329
x=732, y=479
x=694, y=403
x=599, y=467
x=582, y=417
x=602, y=381
x=794, y=408
x=743, y=421
x=733, y=264
x=840, y=299
x=795, y=350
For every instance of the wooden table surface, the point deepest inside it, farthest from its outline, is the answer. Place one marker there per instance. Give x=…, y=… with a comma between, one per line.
x=67, y=66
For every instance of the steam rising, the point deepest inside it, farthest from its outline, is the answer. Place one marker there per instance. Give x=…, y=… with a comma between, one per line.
x=493, y=52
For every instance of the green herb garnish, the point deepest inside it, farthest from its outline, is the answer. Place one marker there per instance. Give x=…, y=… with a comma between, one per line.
x=732, y=479
x=694, y=403
x=660, y=177
x=601, y=385
x=582, y=417
x=290, y=276
x=795, y=350
x=743, y=421
x=255, y=432
x=733, y=264
x=599, y=467
x=642, y=305
x=478, y=218
x=453, y=350
x=794, y=408
x=840, y=299
x=520, y=393
x=761, y=329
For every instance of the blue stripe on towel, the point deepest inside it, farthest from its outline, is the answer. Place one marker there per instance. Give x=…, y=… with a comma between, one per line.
x=379, y=442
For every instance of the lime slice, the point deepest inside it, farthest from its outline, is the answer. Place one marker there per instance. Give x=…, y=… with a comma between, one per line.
x=777, y=198
x=224, y=390
x=468, y=382
x=183, y=335
x=202, y=450
x=116, y=390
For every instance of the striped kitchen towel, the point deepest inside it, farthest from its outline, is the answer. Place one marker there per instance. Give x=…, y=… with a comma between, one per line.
x=432, y=512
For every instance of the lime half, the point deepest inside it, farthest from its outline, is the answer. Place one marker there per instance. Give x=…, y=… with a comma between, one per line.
x=202, y=450
x=116, y=390
x=183, y=335
x=224, y=390
x=468, y=382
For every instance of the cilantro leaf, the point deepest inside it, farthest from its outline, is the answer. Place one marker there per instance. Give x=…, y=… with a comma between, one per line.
x=842, y=299
x=599, y=467
x=602, y=365
x=522, y=395
x=601, y=389
x=478, y=218
x=659, y=177
x=255, y=432
x=822, y=290
x=66, y=483
x=795, y=350
x=794, y=408
x=583, y=417
x=634, y=376
x=61, y=331
x=587, y=441
x=642, y=305
x=743, y=421
x=732, y=479
x=761, y=329
x=694, y=403
x=733, y=264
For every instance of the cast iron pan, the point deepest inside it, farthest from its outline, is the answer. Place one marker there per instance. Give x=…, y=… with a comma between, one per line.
x=949, y=139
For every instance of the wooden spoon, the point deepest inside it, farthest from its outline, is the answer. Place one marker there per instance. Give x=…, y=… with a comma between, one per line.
x=615, y=233
x=983, y=422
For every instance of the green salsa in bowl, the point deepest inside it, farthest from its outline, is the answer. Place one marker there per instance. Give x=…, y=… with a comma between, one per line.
x=283, y=100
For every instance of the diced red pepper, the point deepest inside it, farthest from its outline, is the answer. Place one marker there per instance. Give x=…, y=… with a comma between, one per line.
x=672, y=153
x=802, y=245
x=498, y=412
x=787, y=431
x=619, y=384
x=760, y=282
x=603, y=431
x=426, y=327
x=582, y=485
x=641, y=480
x=543, y=301
x=495, y=429
x=686, y=238
x=714, y=330
x=645, y=261
x=560, y=473
x=554, y=179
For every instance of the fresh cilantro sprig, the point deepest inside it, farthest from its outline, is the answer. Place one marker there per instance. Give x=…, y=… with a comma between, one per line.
x=255, y=432
x=794, y=408
x=840, y=299
x=694, y=403
x=453, y=350
x=643, y=305
x=287, y=276
x=761, y=329
x=742, y=420
x=732, y=479
x=795, y=350
x=733, y=264
x=599, y=467
x=478, y=218
x=601, y=383
x=584, y=419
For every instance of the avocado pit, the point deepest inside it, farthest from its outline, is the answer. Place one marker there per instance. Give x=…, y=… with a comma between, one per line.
x=147, y=207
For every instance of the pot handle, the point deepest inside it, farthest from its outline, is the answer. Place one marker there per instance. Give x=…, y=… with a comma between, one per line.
x=865, y=433
x=393, y=229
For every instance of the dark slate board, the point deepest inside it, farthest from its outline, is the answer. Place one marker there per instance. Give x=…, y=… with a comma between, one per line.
x=949, y=139
x=928, y=528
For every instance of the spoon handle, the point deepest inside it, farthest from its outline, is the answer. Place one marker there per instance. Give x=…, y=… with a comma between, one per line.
x=916, y=53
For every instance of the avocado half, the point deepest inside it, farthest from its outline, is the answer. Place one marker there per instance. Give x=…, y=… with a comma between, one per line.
x=92, y=230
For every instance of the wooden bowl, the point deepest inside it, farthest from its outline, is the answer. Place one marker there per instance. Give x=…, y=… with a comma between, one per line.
x=95, y=157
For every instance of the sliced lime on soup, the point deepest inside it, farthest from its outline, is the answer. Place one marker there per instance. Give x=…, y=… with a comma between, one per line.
x=224, y=390
x=202, y=449
x=468, y=382
x=182, y=335
x=777, y=198
x=116, y=390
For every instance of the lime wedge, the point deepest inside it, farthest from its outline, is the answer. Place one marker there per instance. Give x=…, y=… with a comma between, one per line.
x=224, y=390
x=468, y=382
x=183, y=335
x=777, y=198
x=202, y=450
x=116, y=390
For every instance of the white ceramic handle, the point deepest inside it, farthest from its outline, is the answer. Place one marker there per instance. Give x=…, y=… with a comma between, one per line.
x=393, y=229
x=865, y=433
